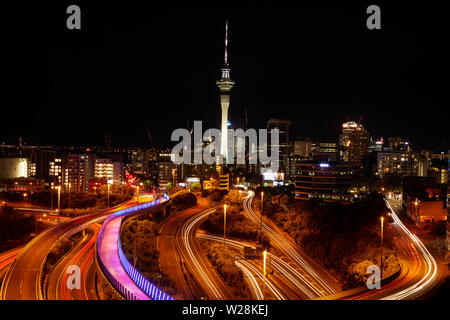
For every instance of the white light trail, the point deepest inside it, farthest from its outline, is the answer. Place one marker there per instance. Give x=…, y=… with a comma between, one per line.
x=281, y=266
x=251, y=279
x=186, y=233
x=287, y=249
x=429, y=277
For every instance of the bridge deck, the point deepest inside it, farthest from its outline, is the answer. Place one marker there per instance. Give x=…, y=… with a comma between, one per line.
x=108, y=252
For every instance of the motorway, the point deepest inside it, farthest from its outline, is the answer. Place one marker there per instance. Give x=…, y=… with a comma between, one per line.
x=82, y=255
x=6, y=258
x=315, y=279
x=420, y=272
x=283, y=283
x=23, y=279
x=182, y=257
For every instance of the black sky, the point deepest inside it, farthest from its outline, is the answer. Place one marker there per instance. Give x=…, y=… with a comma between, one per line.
x=132, y=67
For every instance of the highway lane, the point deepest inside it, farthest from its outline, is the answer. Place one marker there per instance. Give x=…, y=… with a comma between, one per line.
x=251, y=279
x=184, y=260
x=419, y=269
x=82, y=256
x=6, y=258
x=314, y=277
x=23, y=279
x=283, y=284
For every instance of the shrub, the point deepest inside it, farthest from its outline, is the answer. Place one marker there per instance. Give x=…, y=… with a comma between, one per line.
x=223, y=261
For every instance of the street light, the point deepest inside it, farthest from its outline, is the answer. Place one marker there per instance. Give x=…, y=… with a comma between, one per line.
x=262, y=206
x=416, y=211
x=108, y=194
x=137, y=194
x=264, y=272
x=69, y=193
x=381, y=252
x=224, y=223
x=59, y=201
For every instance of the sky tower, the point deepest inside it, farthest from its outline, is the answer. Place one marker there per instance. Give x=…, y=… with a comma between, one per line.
x=225, y=84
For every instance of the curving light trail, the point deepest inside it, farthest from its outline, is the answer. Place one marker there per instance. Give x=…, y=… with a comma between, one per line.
x=269, y=284
x=7, y=258
x=187, y=231
x=251, y=279
x=315, y=282
x=281, y=266
x=428, y=279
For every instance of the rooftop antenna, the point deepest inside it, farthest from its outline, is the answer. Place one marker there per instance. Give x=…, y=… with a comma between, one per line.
x=226, y=44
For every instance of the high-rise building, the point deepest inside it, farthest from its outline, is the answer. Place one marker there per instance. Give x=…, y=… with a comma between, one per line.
x=164, y=174
x=11, y=168
x=39, y=164
x=325, y=149
x=79, y=169
x=323, y=180
x=355, y=142
x=376, y=145
x=285, y=144
x=55, y=173
x=397, y=144
x=303, y=147
x=399, y=163
x=107, y=169
x=225, y=84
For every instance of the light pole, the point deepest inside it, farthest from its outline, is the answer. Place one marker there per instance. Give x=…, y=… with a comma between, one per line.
x=416, y=212
x=381, y=252
x=108, y=194
x=135, y=241
x=70, y=185
x=262, y=206
x=135, y=232
x=264, y=272
x=51, y=197
x=59, y=199
x=224, y=223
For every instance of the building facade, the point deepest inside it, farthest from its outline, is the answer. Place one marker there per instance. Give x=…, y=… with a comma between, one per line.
x=285, y=145
x=323, y=180
x=399, y=163
x=11, y=168
x=355, y=141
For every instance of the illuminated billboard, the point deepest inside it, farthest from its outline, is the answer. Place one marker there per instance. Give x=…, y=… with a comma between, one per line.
x=273, y=176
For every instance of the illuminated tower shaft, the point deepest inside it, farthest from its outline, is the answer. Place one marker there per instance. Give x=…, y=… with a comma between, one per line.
x=225, y=84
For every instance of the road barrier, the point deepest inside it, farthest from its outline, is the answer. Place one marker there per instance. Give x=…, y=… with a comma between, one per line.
x=141, y=282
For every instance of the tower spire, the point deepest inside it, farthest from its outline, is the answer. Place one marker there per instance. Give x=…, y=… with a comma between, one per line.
x=226, y=44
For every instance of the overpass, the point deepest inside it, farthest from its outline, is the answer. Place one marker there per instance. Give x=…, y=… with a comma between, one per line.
x=114, y=265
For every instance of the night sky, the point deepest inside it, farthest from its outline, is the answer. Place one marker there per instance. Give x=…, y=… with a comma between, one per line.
x=131, y=68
